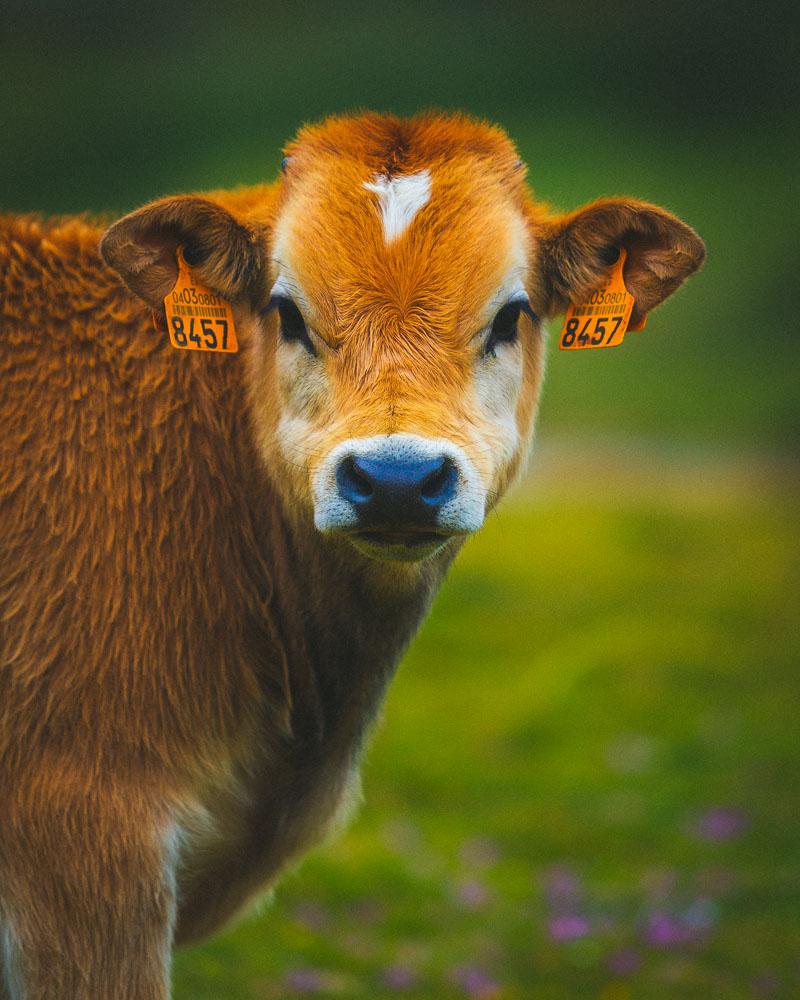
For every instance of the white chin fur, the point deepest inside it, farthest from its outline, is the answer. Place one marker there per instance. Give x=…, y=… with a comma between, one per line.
x=462, y=514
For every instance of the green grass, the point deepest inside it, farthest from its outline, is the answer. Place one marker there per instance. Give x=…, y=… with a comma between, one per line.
x=586, y=781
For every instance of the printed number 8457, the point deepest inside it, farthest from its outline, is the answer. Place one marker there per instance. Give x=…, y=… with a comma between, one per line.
x=209, y=339
x=594, y=330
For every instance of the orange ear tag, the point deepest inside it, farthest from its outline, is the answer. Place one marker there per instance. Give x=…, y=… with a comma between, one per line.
x=197, y=318
x=603, y=320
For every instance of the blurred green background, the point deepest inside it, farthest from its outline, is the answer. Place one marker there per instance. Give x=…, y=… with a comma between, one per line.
x=587, y=782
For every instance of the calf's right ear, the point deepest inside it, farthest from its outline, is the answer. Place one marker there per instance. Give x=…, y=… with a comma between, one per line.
x=224, y=252
x=577, y=251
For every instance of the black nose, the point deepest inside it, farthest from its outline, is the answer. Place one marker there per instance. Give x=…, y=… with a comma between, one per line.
x=395, y=493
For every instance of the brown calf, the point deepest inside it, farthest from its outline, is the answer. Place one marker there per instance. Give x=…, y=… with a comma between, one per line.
x=210, y=564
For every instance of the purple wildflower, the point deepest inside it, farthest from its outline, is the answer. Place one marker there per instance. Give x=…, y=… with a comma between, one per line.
x=568, y=927
x=472, y=894
x=475, y=982
x=666, y=931
x=720, y=824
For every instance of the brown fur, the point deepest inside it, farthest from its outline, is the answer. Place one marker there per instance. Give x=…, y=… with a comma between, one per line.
x=187, y=669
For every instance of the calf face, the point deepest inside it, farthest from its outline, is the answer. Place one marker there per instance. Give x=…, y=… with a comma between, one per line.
x=408, y=356
x=393, y=282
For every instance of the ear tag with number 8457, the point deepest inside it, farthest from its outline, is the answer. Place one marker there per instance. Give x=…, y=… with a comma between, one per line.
x=197, y=318
x=602, y=320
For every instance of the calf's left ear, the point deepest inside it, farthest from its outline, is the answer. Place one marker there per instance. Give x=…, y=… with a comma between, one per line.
x=578, y=249
x=224, y=252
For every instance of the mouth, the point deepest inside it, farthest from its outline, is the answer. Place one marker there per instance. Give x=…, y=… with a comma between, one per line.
x=400, y=546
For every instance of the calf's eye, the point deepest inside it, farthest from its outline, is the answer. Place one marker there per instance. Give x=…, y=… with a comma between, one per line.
x=504, y=328
x=292, y=325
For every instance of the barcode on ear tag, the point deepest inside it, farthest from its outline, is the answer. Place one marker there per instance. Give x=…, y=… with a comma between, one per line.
x=197, y=318
x=602, y=320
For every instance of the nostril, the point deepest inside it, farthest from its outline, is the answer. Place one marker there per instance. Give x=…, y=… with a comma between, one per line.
x=392, y=490
x=439, y=485
x=353, y=483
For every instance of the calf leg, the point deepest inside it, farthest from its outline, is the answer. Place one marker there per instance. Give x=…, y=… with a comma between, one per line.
x=88, y=901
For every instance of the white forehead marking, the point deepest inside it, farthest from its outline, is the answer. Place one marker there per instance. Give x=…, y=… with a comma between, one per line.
x=400, y=199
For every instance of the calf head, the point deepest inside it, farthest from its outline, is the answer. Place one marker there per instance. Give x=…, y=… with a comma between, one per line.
x=391, y=287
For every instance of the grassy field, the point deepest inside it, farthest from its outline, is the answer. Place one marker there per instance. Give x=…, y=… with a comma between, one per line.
x=586, y=780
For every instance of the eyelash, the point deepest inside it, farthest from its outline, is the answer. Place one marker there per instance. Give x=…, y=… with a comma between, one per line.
x=292, y=325
x=504, y=328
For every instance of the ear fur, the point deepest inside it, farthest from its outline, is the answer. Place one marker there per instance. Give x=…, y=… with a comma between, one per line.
x=578, y=249
x=227, y=254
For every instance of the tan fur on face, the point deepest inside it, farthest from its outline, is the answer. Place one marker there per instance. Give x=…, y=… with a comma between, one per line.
x=399, y=323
